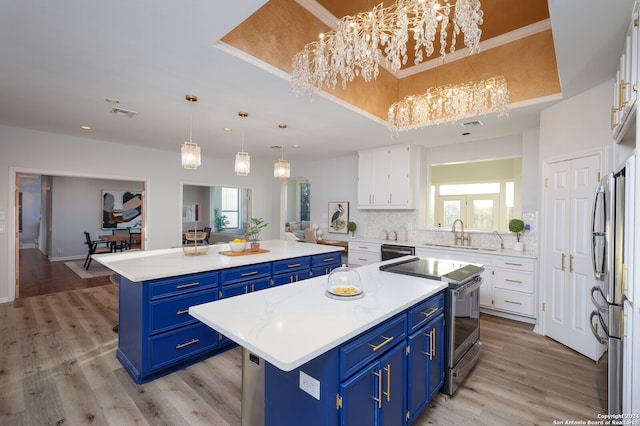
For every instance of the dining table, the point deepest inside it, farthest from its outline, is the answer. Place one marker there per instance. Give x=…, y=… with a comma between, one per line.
x=114, y=239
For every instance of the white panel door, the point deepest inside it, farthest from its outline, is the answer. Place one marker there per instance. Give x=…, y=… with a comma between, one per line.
x=568, y=275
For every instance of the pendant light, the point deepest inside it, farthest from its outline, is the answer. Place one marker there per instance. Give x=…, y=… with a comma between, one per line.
x=190, y=150
x=243, y=161
x=282, y=168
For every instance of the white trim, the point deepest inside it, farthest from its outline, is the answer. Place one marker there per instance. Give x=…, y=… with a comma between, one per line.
x=13, y=172
x=319, y=12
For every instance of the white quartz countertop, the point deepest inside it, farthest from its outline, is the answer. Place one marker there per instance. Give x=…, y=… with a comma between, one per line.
x=448, y=247
x=152, y=264
x=292, y=324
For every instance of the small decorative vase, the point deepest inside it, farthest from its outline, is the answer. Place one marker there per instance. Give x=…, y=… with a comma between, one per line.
x=255, y=246
x=518, y=246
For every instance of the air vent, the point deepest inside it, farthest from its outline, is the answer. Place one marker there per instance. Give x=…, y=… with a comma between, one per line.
x=120, y=112
x=470, y=124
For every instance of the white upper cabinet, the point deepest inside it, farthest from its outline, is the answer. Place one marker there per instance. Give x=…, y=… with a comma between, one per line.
x=625, y=90
x=385, y=177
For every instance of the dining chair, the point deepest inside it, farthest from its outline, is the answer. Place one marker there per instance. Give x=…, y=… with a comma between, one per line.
x=122, y=245
x=207, y=232
x=94, y=248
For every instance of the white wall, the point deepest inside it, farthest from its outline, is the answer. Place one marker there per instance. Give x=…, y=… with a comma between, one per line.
x=29, y=151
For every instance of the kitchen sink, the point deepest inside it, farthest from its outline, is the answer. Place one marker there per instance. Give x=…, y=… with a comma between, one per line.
x=461, y=247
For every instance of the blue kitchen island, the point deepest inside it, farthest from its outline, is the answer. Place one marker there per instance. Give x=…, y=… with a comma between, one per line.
x=156, y=334
x=373, y=360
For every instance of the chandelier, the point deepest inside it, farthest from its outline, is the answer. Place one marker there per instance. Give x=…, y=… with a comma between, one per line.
x=359, y=43
x=190, y=151
x=448, y=103
x=282, y=168
x=243, y=161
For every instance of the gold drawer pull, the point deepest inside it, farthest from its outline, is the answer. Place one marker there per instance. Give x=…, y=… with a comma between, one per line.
x=246, y=274
x=563, y=257
x=183, y=345
x=513, y=264
x=512, y=281
x=185, y=311
x=328, y=259
x=512, y=302
x=386, y=340
x=295, y=265
x=431, y=312
x=188, y=285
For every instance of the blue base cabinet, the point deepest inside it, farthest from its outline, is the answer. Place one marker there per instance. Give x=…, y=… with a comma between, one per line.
x=385, y=376
x=323, y=264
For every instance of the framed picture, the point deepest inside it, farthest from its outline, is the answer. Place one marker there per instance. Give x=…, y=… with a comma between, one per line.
x=121, y=209
x=338, y=216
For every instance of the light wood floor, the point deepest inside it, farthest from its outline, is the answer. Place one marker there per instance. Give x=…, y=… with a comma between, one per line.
x=58, y=367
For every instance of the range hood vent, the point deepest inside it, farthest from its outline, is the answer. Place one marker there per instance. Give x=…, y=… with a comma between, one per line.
x=121, y=112
x=474, y=123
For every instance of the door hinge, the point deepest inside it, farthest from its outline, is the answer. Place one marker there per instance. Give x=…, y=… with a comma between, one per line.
x=544, y=307
x=338, y=402
x=408, y=415
x=407, y=350
x=598, y=177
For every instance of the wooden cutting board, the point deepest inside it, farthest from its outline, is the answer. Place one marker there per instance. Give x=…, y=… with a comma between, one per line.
x=242, y=253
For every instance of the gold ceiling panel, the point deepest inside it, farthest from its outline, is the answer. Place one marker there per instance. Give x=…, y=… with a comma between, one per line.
x=281, y=28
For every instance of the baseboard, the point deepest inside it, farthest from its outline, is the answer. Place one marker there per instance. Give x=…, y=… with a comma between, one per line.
x=66, y=258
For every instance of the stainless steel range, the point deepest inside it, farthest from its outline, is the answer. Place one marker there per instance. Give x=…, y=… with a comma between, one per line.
x=462, y=311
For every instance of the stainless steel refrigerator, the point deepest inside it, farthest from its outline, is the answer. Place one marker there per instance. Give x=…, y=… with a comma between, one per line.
x=608, y=232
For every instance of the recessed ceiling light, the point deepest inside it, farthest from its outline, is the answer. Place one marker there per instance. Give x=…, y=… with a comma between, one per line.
x=85, y=127
x=296, y=146
x=113, y=100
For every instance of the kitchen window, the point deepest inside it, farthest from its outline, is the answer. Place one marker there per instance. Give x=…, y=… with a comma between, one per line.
x=230, y=203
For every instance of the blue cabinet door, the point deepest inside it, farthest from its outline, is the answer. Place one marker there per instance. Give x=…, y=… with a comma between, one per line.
x=376, y=395
x=417, y=373
x=436, y=363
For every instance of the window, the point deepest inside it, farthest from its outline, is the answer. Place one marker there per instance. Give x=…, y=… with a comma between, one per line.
x=305, y=201
x=230, y=204
x=478, y=204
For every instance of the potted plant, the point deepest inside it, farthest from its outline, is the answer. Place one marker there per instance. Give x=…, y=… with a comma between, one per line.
x=220, y=221
x=256, y=224
x=517, y=227
x=351, y=227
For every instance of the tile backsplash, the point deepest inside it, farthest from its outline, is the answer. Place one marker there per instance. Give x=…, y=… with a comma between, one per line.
x=375, y=221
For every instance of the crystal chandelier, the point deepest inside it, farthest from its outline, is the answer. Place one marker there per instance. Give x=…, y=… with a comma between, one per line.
x=448, y=103
x=359, y=43
x=243, y=161
x=190, y=151
x=282, y=168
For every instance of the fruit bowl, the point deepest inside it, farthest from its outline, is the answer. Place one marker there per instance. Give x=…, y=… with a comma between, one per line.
x=237, y=246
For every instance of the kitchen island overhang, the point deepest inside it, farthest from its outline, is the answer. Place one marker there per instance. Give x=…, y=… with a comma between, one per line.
x=288, y=326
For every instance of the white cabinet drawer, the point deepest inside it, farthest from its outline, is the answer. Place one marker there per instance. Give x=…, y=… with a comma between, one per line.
x=515, y=302
x=366, y=247
x=513, y=280
x=359, y=258
x=514, y=263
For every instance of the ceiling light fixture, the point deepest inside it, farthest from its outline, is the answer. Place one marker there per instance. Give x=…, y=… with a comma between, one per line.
x=282, y=168
x=448, y=103
x=190, y=150
x=359, y=43
x=243, y=161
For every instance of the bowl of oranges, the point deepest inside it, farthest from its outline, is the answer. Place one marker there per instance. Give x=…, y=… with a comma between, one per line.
x=238, y=245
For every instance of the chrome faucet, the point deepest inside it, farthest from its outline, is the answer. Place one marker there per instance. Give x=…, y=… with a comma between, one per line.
x=460, y=237
x=501, y=240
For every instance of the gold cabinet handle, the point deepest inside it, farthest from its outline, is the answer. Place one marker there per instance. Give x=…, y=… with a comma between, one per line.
x=184, y=345
x=379, y=399
x=431, y=312
x=512, y=281
x=513, y=264
x=623, y=84
x=388, y=392
x=571, y=263
x=563, y=256
x=246, y=274
x=253, y=287
x=246, y=289
x=613, y=119
x=182, y=312
x=512, y=302
x=295, y=265
x=386, y=340
x=188, y=285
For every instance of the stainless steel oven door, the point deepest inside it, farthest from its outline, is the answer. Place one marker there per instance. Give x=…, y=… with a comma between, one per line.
x=465, y=319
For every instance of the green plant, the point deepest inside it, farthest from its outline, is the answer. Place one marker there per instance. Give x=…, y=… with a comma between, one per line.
x=516, y=226
x=256, y=224
x=351, y=227
x=220, y=220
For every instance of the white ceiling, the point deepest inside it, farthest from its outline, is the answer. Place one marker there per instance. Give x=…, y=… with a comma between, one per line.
x=60, y=60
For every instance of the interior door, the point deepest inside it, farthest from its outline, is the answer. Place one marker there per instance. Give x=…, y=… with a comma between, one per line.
x=16, y=243
x=568, y=275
